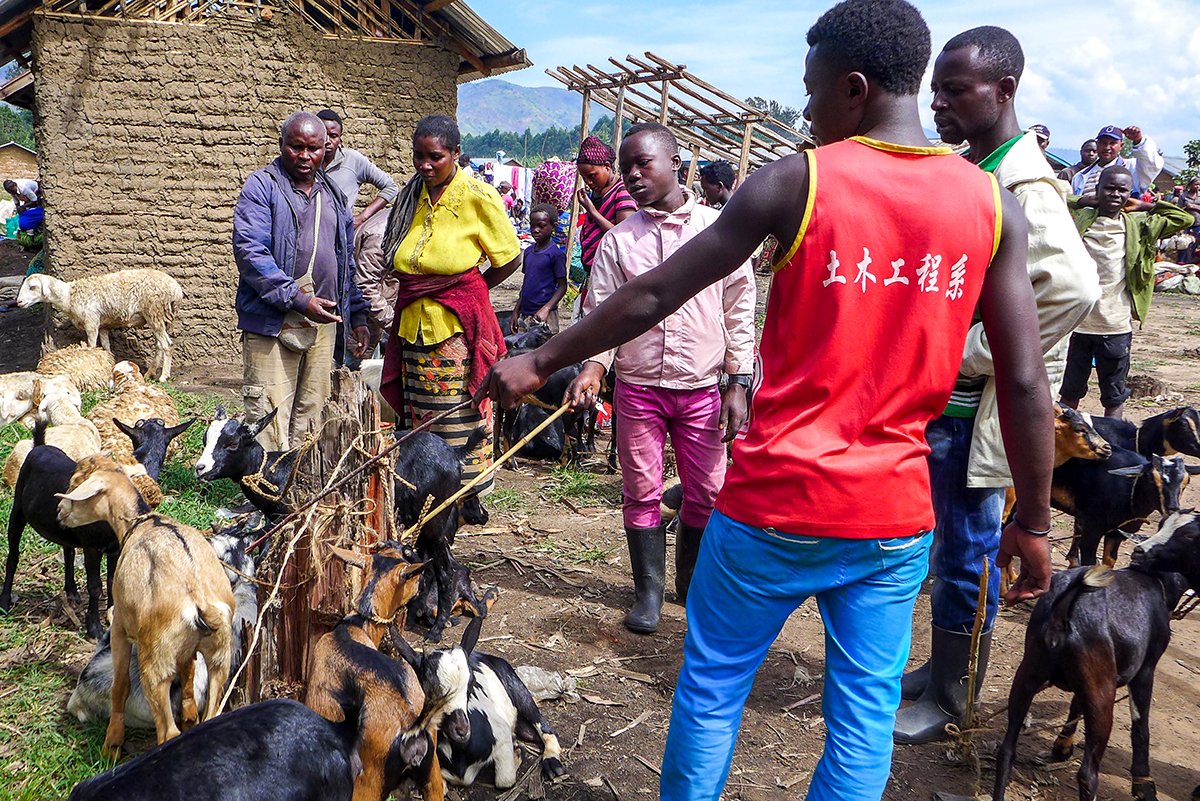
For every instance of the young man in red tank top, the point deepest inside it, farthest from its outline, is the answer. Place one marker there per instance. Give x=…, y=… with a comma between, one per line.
x=828, y=495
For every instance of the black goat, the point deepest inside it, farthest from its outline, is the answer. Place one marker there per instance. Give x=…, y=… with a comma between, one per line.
x=231, y=450
x=1097, y=630
x=430, y=469
x=277, y=750
x=1176, y=431
x=501, y=711
x=1111, y=499
x=532, y=337
x=549, y=444
x=46, y=471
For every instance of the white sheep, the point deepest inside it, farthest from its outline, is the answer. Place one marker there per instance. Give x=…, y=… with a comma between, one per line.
x=133, y=400
x=88, y=368
x=121, y=299
x=71, y=433
x=22, y=393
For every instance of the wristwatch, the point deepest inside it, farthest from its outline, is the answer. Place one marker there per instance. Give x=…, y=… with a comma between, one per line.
x=741, y=380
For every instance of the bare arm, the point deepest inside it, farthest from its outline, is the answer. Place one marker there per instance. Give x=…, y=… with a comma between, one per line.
x=1023, y=395
x=771, y=202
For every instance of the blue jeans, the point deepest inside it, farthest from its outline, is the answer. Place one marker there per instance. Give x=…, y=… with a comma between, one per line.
x=747, y=582
x=968, y=529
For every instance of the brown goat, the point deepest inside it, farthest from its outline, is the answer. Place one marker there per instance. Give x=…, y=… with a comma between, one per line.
x=170, y=596
x=1074, y=438
x=394, y=700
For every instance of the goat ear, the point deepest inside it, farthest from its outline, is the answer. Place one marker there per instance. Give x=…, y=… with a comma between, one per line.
x=90, y=488
x=261, y=423
x=413, y=569
x=175, y=431
x=1192, y=469
x=349, y=557
x=471, y=634
x=1135, y=470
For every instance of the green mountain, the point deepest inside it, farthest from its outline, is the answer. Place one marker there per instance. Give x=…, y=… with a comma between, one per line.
x=496, y=104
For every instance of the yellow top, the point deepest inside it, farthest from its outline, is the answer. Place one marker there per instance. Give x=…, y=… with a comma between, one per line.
x=466, y=227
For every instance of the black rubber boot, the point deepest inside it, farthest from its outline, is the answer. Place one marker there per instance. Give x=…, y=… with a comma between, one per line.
x=913, y=683
x=648, y=559
x=687, y=548
x=945, y=698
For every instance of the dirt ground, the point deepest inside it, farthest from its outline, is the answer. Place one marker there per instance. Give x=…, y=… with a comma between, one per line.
x=563, y=572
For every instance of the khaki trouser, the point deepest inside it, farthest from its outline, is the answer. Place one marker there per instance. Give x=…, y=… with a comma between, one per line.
x=295, y=384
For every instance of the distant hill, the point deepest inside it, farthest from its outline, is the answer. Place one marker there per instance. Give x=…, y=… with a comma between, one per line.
x=495, y=104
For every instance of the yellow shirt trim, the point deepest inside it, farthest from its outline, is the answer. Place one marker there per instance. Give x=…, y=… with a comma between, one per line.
x=465, y=228
x=810, y=156
x=892, y=147
x=999, y=214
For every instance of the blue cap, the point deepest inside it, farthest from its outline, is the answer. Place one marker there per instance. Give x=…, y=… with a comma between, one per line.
x=1041, y=130
x=1112, y=132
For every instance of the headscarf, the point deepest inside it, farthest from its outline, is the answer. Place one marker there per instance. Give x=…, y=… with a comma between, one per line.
x=595, y=152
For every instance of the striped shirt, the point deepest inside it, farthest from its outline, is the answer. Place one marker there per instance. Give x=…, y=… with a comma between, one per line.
x=615, y=201
x=964, y=400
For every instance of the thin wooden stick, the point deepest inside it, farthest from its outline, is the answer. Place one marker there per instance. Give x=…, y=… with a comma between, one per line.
x=485, y=474
x=338, y=484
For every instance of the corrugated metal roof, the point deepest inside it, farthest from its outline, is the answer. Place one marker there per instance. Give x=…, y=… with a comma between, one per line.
x=482, y=39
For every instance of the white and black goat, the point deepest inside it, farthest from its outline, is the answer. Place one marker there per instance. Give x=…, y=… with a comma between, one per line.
x=92, y=697
x=231, y=450
x=1097, y=630
x=501, y=711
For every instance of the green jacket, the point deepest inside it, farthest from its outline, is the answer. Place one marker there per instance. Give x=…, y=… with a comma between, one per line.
x=1143, y=229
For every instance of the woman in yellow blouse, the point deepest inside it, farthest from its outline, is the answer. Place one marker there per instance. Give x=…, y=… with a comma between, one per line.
x=443, y=228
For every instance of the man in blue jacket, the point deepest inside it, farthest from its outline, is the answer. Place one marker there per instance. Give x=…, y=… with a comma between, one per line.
x=291, y=243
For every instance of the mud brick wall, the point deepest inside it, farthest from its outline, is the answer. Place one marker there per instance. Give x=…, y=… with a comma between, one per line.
x=147, y=131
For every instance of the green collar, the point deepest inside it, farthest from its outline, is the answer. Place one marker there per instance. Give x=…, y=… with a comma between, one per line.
x=990, y=163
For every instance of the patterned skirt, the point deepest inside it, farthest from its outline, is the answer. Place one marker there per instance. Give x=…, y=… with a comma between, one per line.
x=435, y=379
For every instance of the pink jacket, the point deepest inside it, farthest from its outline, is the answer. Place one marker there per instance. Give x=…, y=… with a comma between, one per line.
x=713, y=331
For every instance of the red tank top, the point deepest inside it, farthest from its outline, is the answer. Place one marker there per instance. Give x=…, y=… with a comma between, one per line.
x=864, y=336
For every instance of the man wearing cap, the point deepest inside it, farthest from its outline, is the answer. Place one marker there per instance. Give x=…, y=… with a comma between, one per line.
x=1043, y=135
x=1144, y=166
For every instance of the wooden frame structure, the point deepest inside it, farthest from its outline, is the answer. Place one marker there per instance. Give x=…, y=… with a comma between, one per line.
x=449, y=23
x=712, y=123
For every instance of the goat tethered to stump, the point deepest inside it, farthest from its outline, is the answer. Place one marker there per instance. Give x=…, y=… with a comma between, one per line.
x=315, y=590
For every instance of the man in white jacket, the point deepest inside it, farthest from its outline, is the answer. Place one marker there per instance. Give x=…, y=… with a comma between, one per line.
x=974, y=86
x=1144, y=163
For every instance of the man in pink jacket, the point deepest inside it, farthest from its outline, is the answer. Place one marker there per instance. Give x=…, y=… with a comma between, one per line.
x=668, y=378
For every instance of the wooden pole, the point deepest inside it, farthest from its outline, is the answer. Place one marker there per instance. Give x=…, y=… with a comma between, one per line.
x=666, y=96
x=691, y=175
x=572, y=231
x=745, y=161
x=618, y=122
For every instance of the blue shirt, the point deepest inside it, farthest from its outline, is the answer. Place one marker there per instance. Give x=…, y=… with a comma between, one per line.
x=543, y=269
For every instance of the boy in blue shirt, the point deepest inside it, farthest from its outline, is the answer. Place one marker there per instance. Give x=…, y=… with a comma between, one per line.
x=545, y=268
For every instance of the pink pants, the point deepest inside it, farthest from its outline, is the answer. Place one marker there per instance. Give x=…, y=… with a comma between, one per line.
x=644, y=417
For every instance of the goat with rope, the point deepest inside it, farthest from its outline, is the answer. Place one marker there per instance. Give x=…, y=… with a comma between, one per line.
x=1097, y=630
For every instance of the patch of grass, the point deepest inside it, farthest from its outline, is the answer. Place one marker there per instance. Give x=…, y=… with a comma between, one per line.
x=505, y=500
x=586, y=488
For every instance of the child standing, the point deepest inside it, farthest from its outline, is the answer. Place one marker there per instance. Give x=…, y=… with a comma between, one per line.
x=668, y=378
x=1122, y=245
x=545, y=268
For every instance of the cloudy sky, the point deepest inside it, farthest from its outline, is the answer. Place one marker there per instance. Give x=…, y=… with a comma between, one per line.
x=1087, y=64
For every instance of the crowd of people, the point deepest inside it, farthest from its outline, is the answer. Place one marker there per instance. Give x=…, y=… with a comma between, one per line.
x=905, y=376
